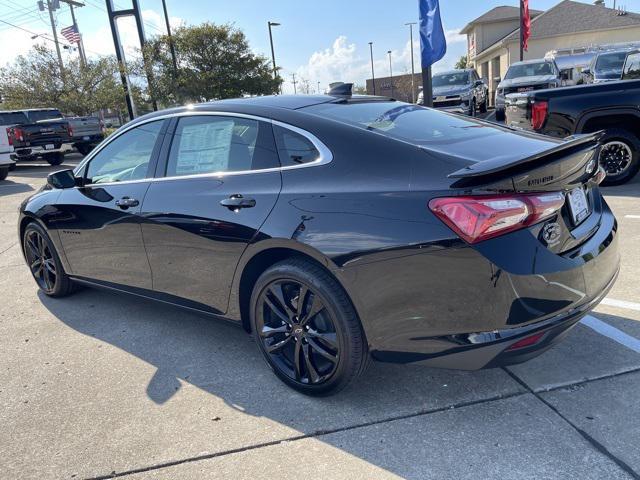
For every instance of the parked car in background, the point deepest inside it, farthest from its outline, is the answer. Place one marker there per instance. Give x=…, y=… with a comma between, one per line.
x=337, y=228
x=526, y=76
x=85, y=131
x=459, y=91
x=31, y=139
x=613, y=107
x=606, y=66
x=7, y=119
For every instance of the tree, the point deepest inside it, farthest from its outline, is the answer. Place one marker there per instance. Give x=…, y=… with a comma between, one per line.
x=462, y=62
x=359, y=89
x=214, y=62
x=34, y=80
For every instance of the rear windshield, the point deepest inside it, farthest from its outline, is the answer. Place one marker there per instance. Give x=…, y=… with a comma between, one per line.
x=37, y=115
x=404, y=121
x=446, y=79
x=13, y=118
x=529, y=70
x=610, y=62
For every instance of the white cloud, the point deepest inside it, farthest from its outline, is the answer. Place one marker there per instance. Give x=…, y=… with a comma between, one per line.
x=344, y=61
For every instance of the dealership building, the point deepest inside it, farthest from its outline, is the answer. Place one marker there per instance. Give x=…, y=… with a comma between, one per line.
x=493, y=39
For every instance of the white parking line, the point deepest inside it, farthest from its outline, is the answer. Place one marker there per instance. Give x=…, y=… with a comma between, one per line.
x=612, y=302
x=632, y=216
x=613, y=333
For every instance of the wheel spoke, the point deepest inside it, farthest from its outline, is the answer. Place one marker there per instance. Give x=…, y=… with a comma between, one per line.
x=268, y=332
x=322, y=351
x=50, y=265
x=47, y=278
x=277, y=291
x=302, y=299
x=276, y=310
x=311, y=370
x=297, y=362
x=33, y=247
x=35, y=266
x=277, y=346
x=314, y=309
x=329, y=339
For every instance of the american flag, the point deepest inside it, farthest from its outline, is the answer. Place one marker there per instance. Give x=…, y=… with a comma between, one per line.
x=71, y=34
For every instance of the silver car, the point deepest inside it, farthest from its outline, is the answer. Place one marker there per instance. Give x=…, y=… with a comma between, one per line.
x=525, y=76
x=459, y=91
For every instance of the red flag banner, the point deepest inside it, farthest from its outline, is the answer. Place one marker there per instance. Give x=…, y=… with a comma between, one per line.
x=525, y=26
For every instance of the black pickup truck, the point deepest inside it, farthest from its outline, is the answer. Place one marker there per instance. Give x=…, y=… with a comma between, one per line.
x=30, y=140
x=612, y=106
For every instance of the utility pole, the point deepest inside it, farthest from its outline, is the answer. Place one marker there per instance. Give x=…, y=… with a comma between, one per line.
x=373, y=75
x=521, y=32
x=295, y=92
x=55, y=39
x=171, y=47
x=390, y=72
x=72, y=3
x=413, y=69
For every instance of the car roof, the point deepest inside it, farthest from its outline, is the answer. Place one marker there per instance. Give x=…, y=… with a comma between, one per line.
x=535, y=60
x=455, y=70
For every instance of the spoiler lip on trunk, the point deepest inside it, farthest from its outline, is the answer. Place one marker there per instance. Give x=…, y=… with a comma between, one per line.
x=489, y=167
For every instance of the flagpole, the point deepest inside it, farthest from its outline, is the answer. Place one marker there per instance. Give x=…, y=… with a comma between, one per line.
x=427, y=87
x=521, y=32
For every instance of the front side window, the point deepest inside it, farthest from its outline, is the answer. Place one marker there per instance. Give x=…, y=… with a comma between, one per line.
x=211, y=144
x=451, y=79
x=127, y=157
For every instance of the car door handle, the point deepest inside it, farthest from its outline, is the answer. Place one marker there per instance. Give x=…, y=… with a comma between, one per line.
x=126, y=202
x=236, y=202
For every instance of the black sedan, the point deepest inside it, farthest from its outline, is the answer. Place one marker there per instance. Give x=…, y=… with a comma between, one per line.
x=337, y=229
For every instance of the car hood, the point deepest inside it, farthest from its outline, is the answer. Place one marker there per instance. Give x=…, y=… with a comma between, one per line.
x=514, y=82
x=450, y=90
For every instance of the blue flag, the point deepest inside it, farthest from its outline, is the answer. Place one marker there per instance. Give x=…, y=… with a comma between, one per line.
x=433, y=44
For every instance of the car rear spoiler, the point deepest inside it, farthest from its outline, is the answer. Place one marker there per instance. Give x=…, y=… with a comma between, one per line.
x=498, y=167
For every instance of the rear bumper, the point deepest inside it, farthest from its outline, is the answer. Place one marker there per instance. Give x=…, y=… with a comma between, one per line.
x=21, y=153
x=462, y=108
x=87, y=139
x=491, y=349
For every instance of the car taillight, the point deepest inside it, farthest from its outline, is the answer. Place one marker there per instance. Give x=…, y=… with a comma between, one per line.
x=539, y=111
x=480, y=217
x=15, y=133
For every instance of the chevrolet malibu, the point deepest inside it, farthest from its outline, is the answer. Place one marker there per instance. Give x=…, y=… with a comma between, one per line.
x=337, y=229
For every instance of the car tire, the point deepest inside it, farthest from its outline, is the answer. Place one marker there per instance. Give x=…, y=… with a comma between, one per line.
x=4, y=172
x=473, y=108
x=54, y=158
x=500, y=116
x=619, y=156
x=483, y=106
x=39, y=251
x=317, y=348
x=84, y=149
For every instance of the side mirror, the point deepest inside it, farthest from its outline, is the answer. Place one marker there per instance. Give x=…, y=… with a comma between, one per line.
x=478, y=83
x=586, y=71
x=62, y=179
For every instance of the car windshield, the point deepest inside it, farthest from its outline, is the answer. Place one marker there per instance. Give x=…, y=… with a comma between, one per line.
x=610, y=62
x=13, y=118
x=449, y=79
x=37, y=115
x=412, y=123
x=529, y=70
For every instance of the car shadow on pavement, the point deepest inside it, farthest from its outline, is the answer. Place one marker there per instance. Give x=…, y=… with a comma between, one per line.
x=630, y=189
x=9, y=187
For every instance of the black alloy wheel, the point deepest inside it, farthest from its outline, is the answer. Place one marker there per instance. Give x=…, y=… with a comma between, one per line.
x=44, y=263
x=306, y=328
x=619, y=156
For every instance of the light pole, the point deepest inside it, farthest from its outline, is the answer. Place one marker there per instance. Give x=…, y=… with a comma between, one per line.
x=390, y=72
x=373, y=75
x=413, y=69
x=273, y=55
x=318, y=88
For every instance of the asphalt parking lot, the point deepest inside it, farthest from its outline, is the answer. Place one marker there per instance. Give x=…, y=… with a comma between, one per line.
x=101, y=385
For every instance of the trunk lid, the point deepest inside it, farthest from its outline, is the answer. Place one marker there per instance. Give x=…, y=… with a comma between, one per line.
x=570, y=167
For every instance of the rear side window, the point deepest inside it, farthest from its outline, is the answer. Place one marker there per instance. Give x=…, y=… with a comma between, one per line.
x=632, y=67
x=37, y=115
x=210, y=144
x=13, y=118
x=294, y=148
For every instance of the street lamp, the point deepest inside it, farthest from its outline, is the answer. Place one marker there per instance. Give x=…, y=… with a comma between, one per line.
x=373, y=76
x=413, y=69
x=273, y=55
x=319, y=88
x=390, y=72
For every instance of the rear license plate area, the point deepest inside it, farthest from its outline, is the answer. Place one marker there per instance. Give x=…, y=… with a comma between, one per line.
x=578, y=205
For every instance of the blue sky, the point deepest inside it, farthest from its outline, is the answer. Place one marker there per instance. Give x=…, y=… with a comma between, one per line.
x=323, y=40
